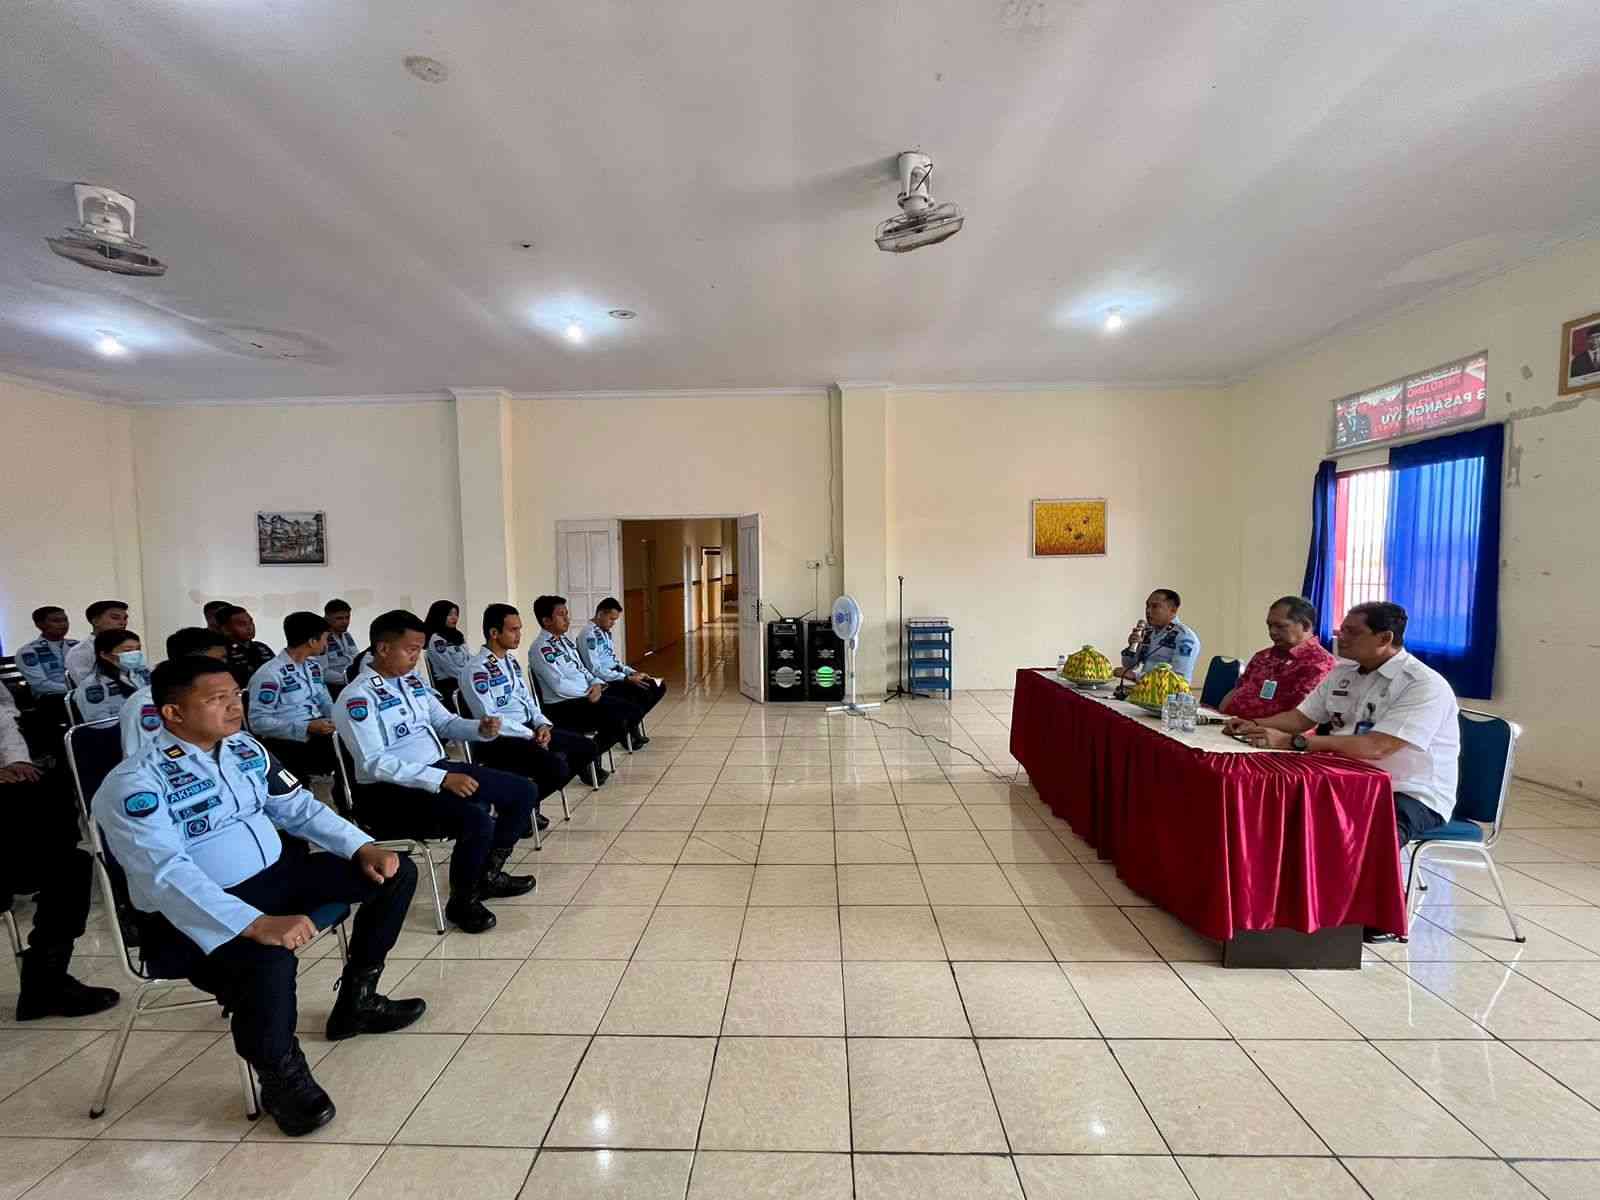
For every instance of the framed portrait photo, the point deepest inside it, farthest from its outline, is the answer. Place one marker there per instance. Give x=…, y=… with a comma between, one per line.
x=1068, y=528
x=292, y=539
x=1580, y=355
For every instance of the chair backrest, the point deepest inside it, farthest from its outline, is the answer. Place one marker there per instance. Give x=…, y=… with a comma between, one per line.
x=1488, y=750
x=347, y=775
x=1222, y=676
x=74, y=714
x=459, y=700
x=92, y=750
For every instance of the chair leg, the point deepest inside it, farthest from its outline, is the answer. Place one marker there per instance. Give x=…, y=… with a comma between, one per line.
x=538, y=838
x=433, y=885
x=252, y=1101
x=16, y=934
x=1494, y=874
x=97, y=1106
x=344, y=943
x=566, y=813
x=1413, y=877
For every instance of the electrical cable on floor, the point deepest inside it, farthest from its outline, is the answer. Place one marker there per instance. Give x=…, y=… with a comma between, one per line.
x=928, y=737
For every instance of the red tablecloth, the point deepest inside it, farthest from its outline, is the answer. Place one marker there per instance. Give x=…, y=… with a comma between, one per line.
x=1224, y=842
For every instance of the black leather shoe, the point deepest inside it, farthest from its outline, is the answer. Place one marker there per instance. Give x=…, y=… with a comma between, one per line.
x=46, y=990
x=544, y=821
x=1379, y=937
x=468, y=914
x=497, y=885
x=640, y=741
x=595, y=775
x=361, y=1009
x=293, y=1098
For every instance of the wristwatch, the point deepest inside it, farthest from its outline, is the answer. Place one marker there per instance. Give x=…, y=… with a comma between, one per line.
x=1299, y=742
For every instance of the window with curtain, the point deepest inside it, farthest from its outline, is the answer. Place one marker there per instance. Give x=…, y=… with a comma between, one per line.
x=1424, y=532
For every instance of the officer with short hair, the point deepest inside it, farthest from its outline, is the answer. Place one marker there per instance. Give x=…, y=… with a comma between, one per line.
x=289, y=707
x=43, y=661
x=213, y=609
x=1160, y=638
x=245, y=655
x=599, y=653
x=341, y=651
x=193, y=819
x=119, y=673
x=141, y=719
x=529, y=743
x=101, y=615
x=574, y=696
x=395, y=729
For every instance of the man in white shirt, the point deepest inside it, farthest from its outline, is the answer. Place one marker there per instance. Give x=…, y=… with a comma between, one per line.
x=1382, y=706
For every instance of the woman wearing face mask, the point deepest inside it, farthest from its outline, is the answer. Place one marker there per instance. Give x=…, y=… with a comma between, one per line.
x=119, y=672
x=447, y=648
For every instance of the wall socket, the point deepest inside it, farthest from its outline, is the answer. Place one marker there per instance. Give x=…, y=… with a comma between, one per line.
x=813, y=565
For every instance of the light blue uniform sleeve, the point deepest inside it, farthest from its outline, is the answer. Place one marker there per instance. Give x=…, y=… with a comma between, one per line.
x=292, y=808
x=131, y=724
x=161, y=875
x=268, y=717
x=599, y=657
x=324, y=698
x=1186, y=654
x=365, y=739
x=31, y=662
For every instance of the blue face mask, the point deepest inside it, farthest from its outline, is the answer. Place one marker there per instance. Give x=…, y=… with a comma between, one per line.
x=131, y=660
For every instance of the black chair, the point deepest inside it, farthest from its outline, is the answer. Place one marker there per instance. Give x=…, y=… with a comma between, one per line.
x=1222, y=676
x=92, y=750
x=417, y=845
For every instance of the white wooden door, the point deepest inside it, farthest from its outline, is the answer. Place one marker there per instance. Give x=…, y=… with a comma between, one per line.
x=752, y=645
x=588, y=569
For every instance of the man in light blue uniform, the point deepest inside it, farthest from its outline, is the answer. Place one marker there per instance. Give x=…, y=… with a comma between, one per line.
x=1160, y=638
x=341, y=651
x=193, y=820
x=290, y=709
x=575, y=697
x=599, y=654
x=395, y=729
x=43, y=661
x=141, y=719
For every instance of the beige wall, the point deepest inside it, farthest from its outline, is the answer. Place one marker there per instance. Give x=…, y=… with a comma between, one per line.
x=1549, y=651
x=69, y=521
x=386, y=476
x=964, y=467
x=676, y=456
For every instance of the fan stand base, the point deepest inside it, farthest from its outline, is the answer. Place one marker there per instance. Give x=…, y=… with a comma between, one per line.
x=852, y=705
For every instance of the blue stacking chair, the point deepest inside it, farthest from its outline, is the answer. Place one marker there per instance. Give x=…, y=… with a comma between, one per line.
x=92, y=749
x=1488, y=748
x=1222, y=676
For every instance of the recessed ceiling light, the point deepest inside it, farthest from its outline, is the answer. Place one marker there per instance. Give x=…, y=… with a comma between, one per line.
x=623, y=314
x=1113, y=320
x=109, y=345
x=574, y=332
x=429, y=70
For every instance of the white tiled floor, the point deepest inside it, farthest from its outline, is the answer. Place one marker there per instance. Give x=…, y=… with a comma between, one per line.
x=788, y=955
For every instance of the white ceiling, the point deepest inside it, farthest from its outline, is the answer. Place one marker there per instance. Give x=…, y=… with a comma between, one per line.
x=1240, y=177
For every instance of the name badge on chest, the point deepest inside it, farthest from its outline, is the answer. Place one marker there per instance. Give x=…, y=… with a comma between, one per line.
x=1269, y=689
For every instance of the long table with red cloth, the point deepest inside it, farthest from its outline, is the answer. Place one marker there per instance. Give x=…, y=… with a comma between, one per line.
x=1227, y=843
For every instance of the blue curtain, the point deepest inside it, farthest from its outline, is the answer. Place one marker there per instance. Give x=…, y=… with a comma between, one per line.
x=1318, y=586
x=1443, y=552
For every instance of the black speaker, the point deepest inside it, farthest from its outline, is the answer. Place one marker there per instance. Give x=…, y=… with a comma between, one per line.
x=786, y=662
x=824, y=662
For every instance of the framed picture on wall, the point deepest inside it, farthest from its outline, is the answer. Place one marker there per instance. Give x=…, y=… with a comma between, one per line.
x=292, y=539
x=1580, y=354
x=1068, y=528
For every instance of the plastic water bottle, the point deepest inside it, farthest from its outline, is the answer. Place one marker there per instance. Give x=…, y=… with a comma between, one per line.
x=1170, y=720
x=1189, y=711
x=1061, y=663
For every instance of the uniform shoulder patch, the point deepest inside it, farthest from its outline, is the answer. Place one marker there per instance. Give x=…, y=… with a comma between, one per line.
x=548, y=650
x=480, y=682
x=29, y=658
x=141, y=804
x=149, y=718
x=94, y=693
x=267, y=694
x=357, y=707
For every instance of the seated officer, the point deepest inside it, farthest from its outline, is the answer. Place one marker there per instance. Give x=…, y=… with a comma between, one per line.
x=43, y=661
x=193, y=819
x=245, y=655
x=119, y=673
x=40, y=854
x=1381, y=705
x=529, y=744
x=212, y=610
x=141, y=719
x=1160, y=638
x=341, y=651
x=101, y=615
x=290, y=709
x=395, y=729
x=574, y=697
x=599, y=654
x=1278, y=678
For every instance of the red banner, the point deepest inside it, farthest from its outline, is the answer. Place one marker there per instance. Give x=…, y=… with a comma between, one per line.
x=1455, y=394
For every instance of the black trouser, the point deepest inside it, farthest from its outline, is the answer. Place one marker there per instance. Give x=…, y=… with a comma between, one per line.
x=387, y=810
x=255, y=982
x=40, y=853
x=1413, y=818
x=550, y=767
x=643, y=696
x=611, y=716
